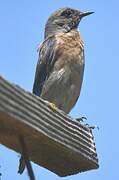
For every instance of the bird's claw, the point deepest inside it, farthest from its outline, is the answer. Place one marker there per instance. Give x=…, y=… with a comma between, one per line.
x=52, y=106
x=81, y=119
x=92, y=127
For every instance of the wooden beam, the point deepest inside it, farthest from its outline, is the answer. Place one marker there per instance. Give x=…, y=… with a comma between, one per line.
x=55, y=141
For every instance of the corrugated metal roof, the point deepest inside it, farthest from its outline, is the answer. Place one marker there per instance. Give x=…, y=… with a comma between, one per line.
x=55, y=141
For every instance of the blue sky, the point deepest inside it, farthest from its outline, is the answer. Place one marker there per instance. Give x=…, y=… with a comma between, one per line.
x=21, y=30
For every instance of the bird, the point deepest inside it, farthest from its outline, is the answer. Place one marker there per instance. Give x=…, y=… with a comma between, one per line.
x=60, y=67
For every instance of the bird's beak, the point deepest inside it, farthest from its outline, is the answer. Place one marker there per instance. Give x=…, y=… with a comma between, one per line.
x=83, y=14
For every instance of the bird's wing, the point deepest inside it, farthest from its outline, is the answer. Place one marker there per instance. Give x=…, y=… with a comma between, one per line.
x=46, y=60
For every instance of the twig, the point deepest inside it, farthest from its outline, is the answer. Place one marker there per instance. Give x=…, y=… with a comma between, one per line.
x=26, y=158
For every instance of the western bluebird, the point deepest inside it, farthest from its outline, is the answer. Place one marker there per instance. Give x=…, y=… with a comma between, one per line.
x=60, y=67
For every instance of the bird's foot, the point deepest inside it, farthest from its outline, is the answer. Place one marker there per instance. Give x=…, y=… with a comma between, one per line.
x=81, y=119
x=92, y=127
x=52, y=106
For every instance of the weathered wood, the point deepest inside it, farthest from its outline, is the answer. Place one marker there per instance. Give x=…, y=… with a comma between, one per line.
x=55, y=141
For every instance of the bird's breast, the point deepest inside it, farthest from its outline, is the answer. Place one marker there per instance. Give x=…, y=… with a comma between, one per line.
x=70, y=48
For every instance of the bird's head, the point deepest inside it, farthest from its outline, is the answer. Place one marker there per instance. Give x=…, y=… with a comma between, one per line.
x=64, y=20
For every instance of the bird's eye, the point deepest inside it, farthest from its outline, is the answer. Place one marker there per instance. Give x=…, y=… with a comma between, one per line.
x=66, y=13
